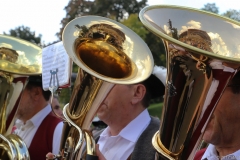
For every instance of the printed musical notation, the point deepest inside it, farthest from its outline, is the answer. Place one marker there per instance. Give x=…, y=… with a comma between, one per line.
x=56, y=60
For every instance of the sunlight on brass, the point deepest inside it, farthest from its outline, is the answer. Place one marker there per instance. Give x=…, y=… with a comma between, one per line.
x=90, y=140
x=164, y=151
x=14, y=148
x=18, y=56
x=193, y=39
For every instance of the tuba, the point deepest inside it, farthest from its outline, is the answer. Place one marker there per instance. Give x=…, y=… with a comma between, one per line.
x=107, y=53
x=18, y=60
x=203, y=54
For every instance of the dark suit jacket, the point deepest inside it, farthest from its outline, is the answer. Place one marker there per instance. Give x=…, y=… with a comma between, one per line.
x=144, y=149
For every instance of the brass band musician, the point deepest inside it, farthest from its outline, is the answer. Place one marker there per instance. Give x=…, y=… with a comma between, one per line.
x=36, y=124
x=223, y=129
x=130, y=127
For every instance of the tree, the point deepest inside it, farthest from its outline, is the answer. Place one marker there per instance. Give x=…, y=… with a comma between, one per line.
x=133, y=23
x=114, y=9
x=117, y=9
x=25, y=33
x=210, y=7
x=233, y=14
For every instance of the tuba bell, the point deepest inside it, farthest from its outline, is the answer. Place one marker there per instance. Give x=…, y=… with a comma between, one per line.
x=107, y=53
x=18, y=60
x=203, y=54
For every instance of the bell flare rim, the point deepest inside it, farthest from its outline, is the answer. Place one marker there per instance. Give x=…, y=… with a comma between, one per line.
x=167, y=38
x=24, y=47
x=144, y=62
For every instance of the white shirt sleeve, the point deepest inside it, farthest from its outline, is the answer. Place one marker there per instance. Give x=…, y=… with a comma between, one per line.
x=57, y=138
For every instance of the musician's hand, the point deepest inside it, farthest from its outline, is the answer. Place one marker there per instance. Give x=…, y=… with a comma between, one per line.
x=99, y=154
x=51, y=156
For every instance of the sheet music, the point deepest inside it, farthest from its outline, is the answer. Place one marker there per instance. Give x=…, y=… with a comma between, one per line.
x=55, y=59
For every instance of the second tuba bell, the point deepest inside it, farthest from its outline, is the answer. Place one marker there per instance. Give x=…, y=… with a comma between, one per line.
x=203, y=54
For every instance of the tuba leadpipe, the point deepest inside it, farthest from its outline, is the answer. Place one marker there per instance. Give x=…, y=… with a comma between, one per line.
x=202, y=56
x=18, y=60
x=107, y=53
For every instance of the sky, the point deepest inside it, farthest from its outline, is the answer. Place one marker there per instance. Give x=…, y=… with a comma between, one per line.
x=44, y=16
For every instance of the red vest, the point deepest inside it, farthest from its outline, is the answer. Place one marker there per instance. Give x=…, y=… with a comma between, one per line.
x=43, y=138
x=199, y=154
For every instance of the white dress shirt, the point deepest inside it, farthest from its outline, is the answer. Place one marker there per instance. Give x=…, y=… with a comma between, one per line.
x=121, y=146
x=27, y=131
x=211, y=154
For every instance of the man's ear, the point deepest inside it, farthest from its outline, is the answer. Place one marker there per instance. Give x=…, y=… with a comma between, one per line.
x=139, y=93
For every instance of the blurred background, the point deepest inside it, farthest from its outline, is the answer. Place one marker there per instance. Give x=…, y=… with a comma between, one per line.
x=42, y=22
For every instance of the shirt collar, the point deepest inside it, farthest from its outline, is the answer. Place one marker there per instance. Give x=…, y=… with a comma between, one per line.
x=134, y=129
x=37, y=119
x=211, y=154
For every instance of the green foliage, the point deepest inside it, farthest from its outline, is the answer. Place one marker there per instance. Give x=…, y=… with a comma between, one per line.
x=154, y=43
x=114, y=9
x=64, y=96
x=75, y=68
x=233, y=14
x=133, y=23
x=26, y=34
x=157, y=48
x=155, y=109
x=210, y=7
x=117, y=8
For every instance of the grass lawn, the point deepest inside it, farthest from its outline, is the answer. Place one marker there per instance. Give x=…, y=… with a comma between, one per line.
x=155, y=109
